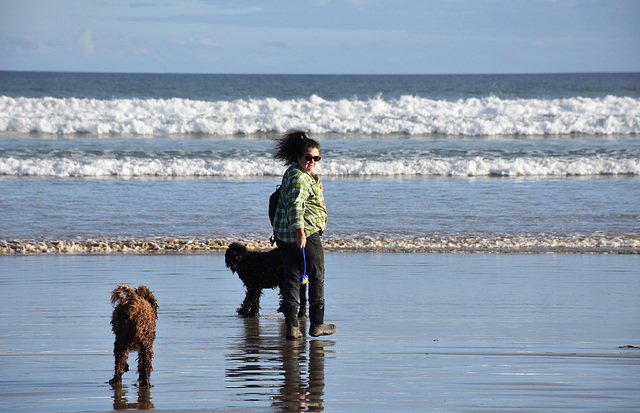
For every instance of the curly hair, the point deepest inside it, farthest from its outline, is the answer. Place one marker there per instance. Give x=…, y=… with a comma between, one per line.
x=292, y=145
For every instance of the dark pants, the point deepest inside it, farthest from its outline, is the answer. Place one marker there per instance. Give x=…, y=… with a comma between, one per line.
x=293, y=269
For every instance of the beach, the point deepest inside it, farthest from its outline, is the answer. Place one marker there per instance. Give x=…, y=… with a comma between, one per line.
x=482, y=246
x=416, y=332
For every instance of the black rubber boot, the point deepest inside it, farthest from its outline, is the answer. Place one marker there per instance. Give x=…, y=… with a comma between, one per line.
x=318, y=328
x=293, y=332
x=291, y=322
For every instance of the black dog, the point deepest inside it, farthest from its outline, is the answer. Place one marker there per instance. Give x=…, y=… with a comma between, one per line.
x=259, y=270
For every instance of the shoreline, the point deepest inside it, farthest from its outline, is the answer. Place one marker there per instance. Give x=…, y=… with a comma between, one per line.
x=416, y=332
x=499, y=245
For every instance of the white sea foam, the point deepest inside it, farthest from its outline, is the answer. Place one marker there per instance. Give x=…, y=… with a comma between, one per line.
x=407, y=115
x=176, y=167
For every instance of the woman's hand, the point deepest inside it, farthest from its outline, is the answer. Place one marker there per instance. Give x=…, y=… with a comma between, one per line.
x=301, y=239
x=320, y=186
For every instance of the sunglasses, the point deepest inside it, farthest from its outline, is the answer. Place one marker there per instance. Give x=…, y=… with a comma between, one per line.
x=310, y=158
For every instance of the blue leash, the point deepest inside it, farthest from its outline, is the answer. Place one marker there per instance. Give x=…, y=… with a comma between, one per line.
x=303, y=278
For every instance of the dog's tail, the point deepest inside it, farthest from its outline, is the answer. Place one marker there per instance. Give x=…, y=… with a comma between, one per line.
x=146, y=293
x=121, y=294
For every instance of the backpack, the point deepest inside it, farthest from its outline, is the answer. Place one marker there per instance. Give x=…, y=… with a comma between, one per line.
x=273, y=203
x=273, y=206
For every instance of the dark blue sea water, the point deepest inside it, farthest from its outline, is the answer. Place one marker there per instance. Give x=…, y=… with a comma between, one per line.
x=229, y=87
x=488, y=162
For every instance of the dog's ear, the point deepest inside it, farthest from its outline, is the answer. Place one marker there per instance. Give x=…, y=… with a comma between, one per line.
x=145, y=293
x=232, y=261
x=121, y=294
x=235, y=253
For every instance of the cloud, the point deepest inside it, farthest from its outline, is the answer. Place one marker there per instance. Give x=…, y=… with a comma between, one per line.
x=358, y=4
x=209, y=16
x=201, y=41
x=85, y=41
x=275, y=45
x=140, y=51
x=23, y=44
x=208, y=42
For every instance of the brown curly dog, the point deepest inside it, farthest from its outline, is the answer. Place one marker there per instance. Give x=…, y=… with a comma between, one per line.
x=134, y=324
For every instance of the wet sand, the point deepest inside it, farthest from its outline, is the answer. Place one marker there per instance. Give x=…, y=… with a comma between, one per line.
x=416, y=332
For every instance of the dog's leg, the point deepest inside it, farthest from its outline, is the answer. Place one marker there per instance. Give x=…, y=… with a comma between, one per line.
x=302, y=311
x=253, y=295
x=145, y=356
x=245, y=307
x=121, y=353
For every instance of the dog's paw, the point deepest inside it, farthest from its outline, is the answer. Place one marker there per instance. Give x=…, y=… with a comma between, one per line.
x=143, y=382
x=116, y=381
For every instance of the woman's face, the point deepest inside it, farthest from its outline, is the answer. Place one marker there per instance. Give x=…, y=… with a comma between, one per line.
x=310, y=159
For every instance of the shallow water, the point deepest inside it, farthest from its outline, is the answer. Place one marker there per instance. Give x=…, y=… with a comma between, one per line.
x=441, y=214
x=416, y=332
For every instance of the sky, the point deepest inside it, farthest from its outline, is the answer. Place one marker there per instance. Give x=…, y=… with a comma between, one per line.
x=321, y=36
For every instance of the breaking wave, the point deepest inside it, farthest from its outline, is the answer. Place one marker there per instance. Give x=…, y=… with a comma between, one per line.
x=406, y=115
x=187, y=167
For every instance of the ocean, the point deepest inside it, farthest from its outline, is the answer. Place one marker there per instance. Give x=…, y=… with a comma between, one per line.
x=99, y=162
x=145, y=179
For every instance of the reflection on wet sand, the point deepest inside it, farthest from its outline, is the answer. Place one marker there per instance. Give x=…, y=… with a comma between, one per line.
x=486, y=332
x=310, y=392
x=260, y=363
x=120, y=398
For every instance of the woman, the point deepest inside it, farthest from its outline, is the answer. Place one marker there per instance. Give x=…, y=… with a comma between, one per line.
x=300, y=219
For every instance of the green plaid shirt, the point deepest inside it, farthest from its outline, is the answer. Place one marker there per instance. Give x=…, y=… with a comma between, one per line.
x=301, y=205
